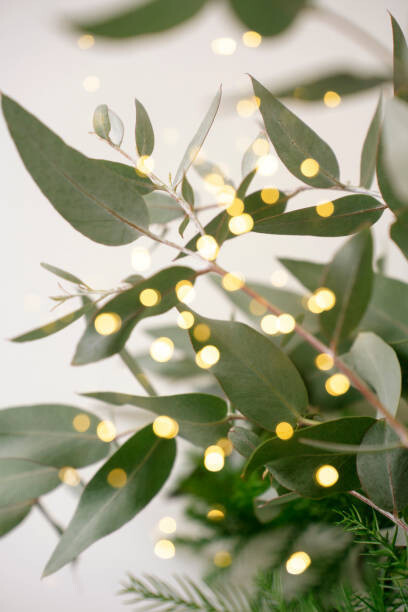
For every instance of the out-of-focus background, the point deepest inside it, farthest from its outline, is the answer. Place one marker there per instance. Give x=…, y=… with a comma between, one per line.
x=175, y=74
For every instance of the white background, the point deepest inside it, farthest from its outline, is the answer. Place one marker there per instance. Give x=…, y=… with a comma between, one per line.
x=175, y=75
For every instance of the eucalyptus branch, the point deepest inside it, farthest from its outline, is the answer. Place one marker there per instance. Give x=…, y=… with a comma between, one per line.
x=389, y=516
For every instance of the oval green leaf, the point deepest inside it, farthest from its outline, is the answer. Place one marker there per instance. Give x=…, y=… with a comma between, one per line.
x=54, y=326
x=144, y=134
x=370, y=146
x=268, y=17
x=22, y=480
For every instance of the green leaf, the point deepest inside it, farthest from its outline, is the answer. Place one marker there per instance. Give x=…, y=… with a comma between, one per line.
x=383, y=476
x=391, y=166
x=257, y=377
x=54, y=326
x=150, y=17
x=351, y=213
x=144, y=131
x=244, y=440
x=197, y=142
x=343, y=83
x=370, y=146
x=103, y=206
x=71, y=278
x=162, y=208
x=127, y=305
x=183, y=225
x=309, y=273
x=200, y=416
x=147, y=461
x=266, y=511
x=295, y=142
x=244, y=185
x=350, y=277
x=22, y=480
x=179, y=336
x=400, y=61
x=294, y=464
x=139, y=181
x=13, y=515
x=399, y=233
x=46, y=433
x=268, y=17
x=187, y=192
x=108, y=125
x=376, y=362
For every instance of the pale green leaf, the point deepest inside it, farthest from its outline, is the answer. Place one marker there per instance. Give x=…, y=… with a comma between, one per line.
x=144, y=131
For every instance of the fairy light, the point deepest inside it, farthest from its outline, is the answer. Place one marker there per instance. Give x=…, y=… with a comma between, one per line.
x=208, y=356
x=324, y=361
x=86, y=41
x=236, y=208
x=214, y=458
x=223, y=46
x=216, y=514
x=208, y=247
x=326, y=476
x=185, y=291
x=270, y=324
x=261, y=147
x=145, y=164
x=117, y=478
x=106, y=431
x=326, y=209
x=325, y=298
x=165, y=427
x=286, y=323
x=201, y=332
x=167, y=525
x=284, y=430
x=185, y=319
x=256, y=308
x=246, y=108
x=313, y=306
x=107, y=323
x=164, y=549
x=270, y=195
x=232, y=281
x=69, y=476
x=298, y=563
x=251, y=39
x=331, y=99
x=162, y=349
x=267, y=165
x=226, y=195
x=141, y=259
x=226, y=445
x=149, y=297
x=222, y=559
x=279, y=278
x=309, y=167
x=81, y=422
x=338, y=384
x=241, y=224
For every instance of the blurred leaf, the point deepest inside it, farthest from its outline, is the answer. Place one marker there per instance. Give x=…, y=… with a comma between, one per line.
x=200, y=416
x=71, y=278
x=343, y=83
x=162, y=208
x=351, y=213
x=350, y=277
x=101, y=205
x=146, y=461
x=187, y=192
x=55, y=326
x=127, y=305
x=244, y=440
x=295, y=142
x=22, y=480
x=244, y=185
x=268, y=17
x=45, y=433
x=294, y=464
x=179, y=336
x=265, y=511
x=400, y=61
x=175, y=369
x=391, y=170
x=205, y=167
x=399, y=232
x=144, y=134
x=370, y=146
x=150, y=17
x=309, y=273
x=257, y=377
x=13, y=515
x=250, y=159
x=383, y=476
x=197, y=142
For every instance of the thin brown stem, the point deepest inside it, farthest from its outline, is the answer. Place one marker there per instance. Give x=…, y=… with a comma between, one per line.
x=49, y=518
x=389, y=515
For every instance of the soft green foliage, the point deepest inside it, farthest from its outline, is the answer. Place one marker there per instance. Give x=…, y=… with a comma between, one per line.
x=343, y=83
x=370, y=146
x=144, y=131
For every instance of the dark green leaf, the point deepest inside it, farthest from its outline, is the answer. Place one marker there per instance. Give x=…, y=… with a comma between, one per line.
x=350, y=277
x=268, y=17
x=399, y=232
x=200, y=416
x=46, y=434
x=54, y=326
x=162, y=208
x=244, y=185
x=22, y=480
x=309, y=273
x=294, y=464
x=150, y=17
x=62, y=274
x=343, y=83
x=393, y=152
x=187, y=192
x=13, y=515
x=179, y=336
x=101, y=205
x=400, y=61
x=183, y=225
x=383, y=476
x=351, y=213
x=147, y=462
x=197, y=142
x=144, y=132
x=140, y=181
x=127, y=305
x=370, y=146
x=175, y=369
x=244, y=440
x=295, y=142
x=257, y=377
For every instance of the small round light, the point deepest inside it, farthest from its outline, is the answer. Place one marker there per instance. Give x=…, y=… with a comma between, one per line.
x=107, y=323
x=165, y=427
x=162, y=349
x=331, y=99
x=241, y=224
x=164, y=549
x=222, y=558
x=284, y=430
x=286, y=323
x=325, y=298
x=298, y=563
x=261, y=147
x=141, y=259
x=208, y=247
x=313, y=306
x=324, y=361
x=226, y=195
x=86, y=41
x=338, y=384
x=185, y=319
x=69, y=476
x=223, y=46
x=226, y=445
x=201, y=332
x=267, y=165
x=279, y=278
x=106, y=431
x=270, y=324
x=145, y=164
x=81, y=422
x=149, y=297
x=207, y=357
x=326, y=209
x=232, y=281
x=327, y=476
x=185, y=291
x=216, y=514
x=309, y=167
x=251, y=39
x=236, y=208
x=214, y=458
x=167, y=525
x=117, y=478
x=246, y=108
x=270, y=195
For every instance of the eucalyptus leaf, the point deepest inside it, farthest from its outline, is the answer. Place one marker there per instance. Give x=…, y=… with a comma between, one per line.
x=245, y=184
x=108, y=125
x=295, y=142
x=12, y=515
x=309, y=273
x=392, y=175
x=22, y=480
x=399, y=233
x=162, y=208
x=342, y=82
x=244, y=440
x=103, y=206
x=187, y=192
x=144, y=134
x=265, y=511
x=142, y=466
x=369, y=153
x=71, y=278
x=141, y=182
x=268, y=17
x=55, y=326
x=400, y=61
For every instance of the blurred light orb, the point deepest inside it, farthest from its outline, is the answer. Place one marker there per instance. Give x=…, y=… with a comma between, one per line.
x=214, y=458
x=261, y=147
x=256, y=308
x=162, y=349
x=331, y=99
x=165, y=427
x=141, y=259
x=226, y=445
x=69, y=476
x=167, y=525
x=324, y=361
x=223, y=46
x=236, y=208
x=91, y=83
x=309, y=167
x=251, y=39
x=117, y=478
x=208, y=247
x=267, y=165
x=270, y=324
x=338, y=384
x=326, y=209
x=164, y=549
x=107, y=323
x=106, y=431
x=327, y=476
x=298, y=563
x=232, y=281
x=226, y=195
x=149, y=297
x=216, y=514
x=86, y=41
x=185, y=291
x=185, y=319
x=145, y=164
x=279, y=278
x=270, y=195
x=81, y=422
x=201, y=332
x=284, y=430
x=313, y=306
x=325, y=298
x=222, y=559
x=208, y=356
x=241, y=224
x=246, y=108
x=286, y=323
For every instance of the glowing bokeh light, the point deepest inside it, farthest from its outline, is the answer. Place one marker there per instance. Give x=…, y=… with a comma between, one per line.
x=145, y=164
x=164, y=549
x=201, y=332
x=216, y=514
x=326, y=209
x=223, y=46
x=251, y=39
x=208, y=356
x=331, y=99
x=106, y=431
x=327, y=476
x=298, y=563
x=222, y=559
x=141, y=259
x=167, y=525
x=338, y=384
x=270, y=195
x=232, y=281
x=149, y=297
x=162, y=349
x=208, y=247
x=107, y=323
x=226, y=445
x=286, y=323
x=267, y=165
x=81, y=422
x=214, y=458
x=165, y=427
x=279, y=278
x=241, y=224
x=325, y=298
x=236, y=208
x=86, y=41
x=117, y=478
x=261, y=147
x=185, y=291
x=324, y=361
x=256, y=308
x=69, y=476
x=185, y=319
x=284, y=430
x=309, y=167
x=270, y=324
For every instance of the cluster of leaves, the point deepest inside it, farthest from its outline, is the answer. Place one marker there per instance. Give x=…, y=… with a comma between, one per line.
x=263, y=380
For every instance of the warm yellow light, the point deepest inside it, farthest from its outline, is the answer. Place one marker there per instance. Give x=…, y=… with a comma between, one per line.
x=149, y=297
x=208, y=247
x=270, y=324
x=270, y=195
x=164, y=549
x=222, y=558
x=325, y=210
x=165, y=427
x=313, y=306
x=246, y=107
x=232, y=281
x=162, y=349
x=69, y=476
x=236, y=208
x=86, y=41
x=338, y=384
x=309, y=167
x=327, y=476
x=81, y=422
x=256, y=308
x=279, y=278
x=241, y=224
x=216, y=514
x=267, y=165
x=107, y=323
x=201, y=332
x=324, y=361
x=185, y=291
x=141, y=259
x=286, y=323
x=261, y=147
x=223, y=46
x=207, y=357
x=185, y=320
x=226, y=195
x=106, y=431
x=298, y=563
x=214, y=179
x=117, y=478
x=214, y=458
x=226, y=445
x=167, y=525
x=331, y=99
x=91, y=83
x=325, y=298
x=284, y=430
x=251, y=39
x=145, y=164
